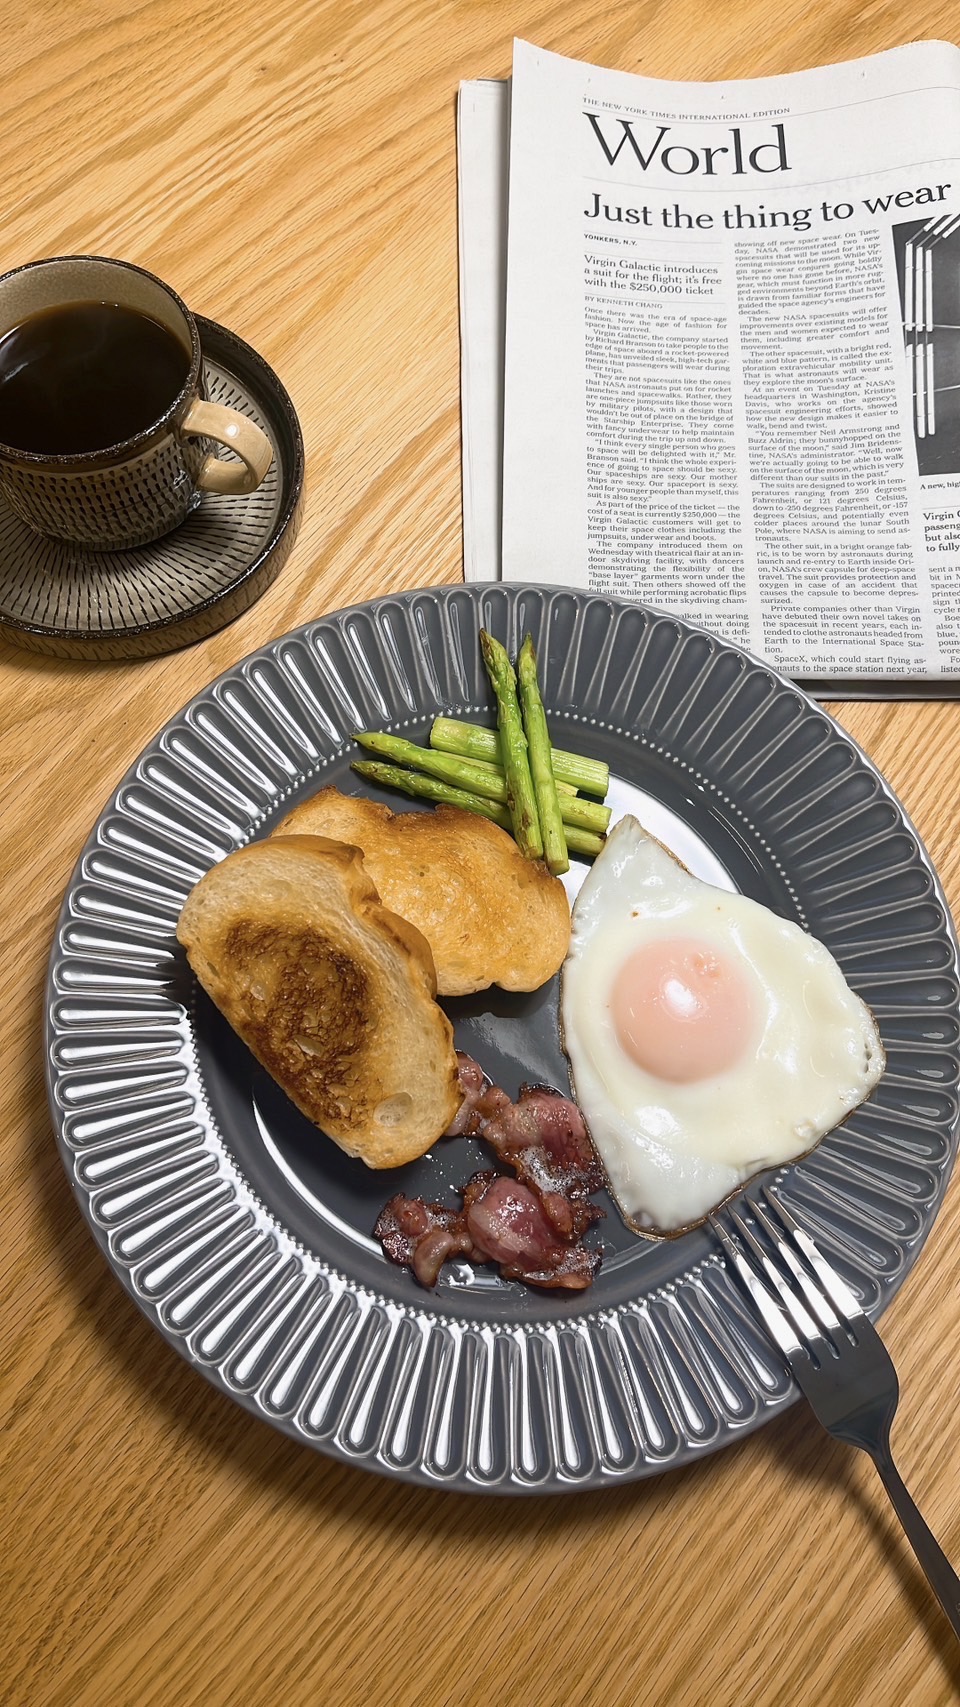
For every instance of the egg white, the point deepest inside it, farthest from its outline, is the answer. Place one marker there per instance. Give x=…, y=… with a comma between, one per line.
x=673, y=1151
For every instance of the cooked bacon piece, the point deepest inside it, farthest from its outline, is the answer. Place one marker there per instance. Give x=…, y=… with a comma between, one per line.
x=422, y=1235
x=473, y=1081
x=542, y=1137
x=481, y=1099
x=432, y=1251
x=532, y=1225
x=553, y=1122
x=501, y=1221
x=508, y=1225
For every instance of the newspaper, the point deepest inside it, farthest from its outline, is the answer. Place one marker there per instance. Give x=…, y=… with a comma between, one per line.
x=726, y=343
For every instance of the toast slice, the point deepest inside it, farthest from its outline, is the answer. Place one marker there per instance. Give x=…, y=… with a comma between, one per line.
x=490, y=915
x=332, y=992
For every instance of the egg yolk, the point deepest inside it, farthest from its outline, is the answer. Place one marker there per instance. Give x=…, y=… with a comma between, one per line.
x=681, y=1010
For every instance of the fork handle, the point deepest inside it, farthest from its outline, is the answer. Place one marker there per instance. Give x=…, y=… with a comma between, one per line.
x=937, y=1568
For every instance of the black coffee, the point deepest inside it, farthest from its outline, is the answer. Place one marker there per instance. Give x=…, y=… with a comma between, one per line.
x=85, y=375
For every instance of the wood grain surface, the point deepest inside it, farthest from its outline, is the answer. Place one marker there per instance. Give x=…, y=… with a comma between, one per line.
x=290, y=169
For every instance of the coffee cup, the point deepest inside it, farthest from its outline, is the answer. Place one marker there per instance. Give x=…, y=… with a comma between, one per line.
x=105, y=432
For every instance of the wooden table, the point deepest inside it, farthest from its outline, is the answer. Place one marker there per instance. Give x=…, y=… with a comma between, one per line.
x=291, y=170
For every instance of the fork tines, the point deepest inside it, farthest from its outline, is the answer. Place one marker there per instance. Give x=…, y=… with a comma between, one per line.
x=823, y=1306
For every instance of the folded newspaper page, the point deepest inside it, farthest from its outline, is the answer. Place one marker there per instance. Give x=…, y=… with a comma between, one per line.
x=732, y=353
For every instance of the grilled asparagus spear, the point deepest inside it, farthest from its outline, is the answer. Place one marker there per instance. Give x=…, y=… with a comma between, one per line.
x=541, y=767
x=521, y=798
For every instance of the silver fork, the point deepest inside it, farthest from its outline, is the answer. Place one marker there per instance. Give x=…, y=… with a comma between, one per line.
x=838, y=1359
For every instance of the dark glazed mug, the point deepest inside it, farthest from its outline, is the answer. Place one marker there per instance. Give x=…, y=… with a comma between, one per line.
x=129, y=493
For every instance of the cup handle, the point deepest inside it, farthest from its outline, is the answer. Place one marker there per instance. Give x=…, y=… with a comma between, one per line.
x=239, y=434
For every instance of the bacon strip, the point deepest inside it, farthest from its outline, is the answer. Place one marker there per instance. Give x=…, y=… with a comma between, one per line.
x=542, y=1137
x=531, y=1225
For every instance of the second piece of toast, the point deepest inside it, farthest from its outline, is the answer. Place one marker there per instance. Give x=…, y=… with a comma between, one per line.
x=490, y=915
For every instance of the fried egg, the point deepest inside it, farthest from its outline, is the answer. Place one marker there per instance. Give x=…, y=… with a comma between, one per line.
x=708, y=1038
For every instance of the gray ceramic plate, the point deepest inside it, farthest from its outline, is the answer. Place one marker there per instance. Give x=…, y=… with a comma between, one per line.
x=245, y=1237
